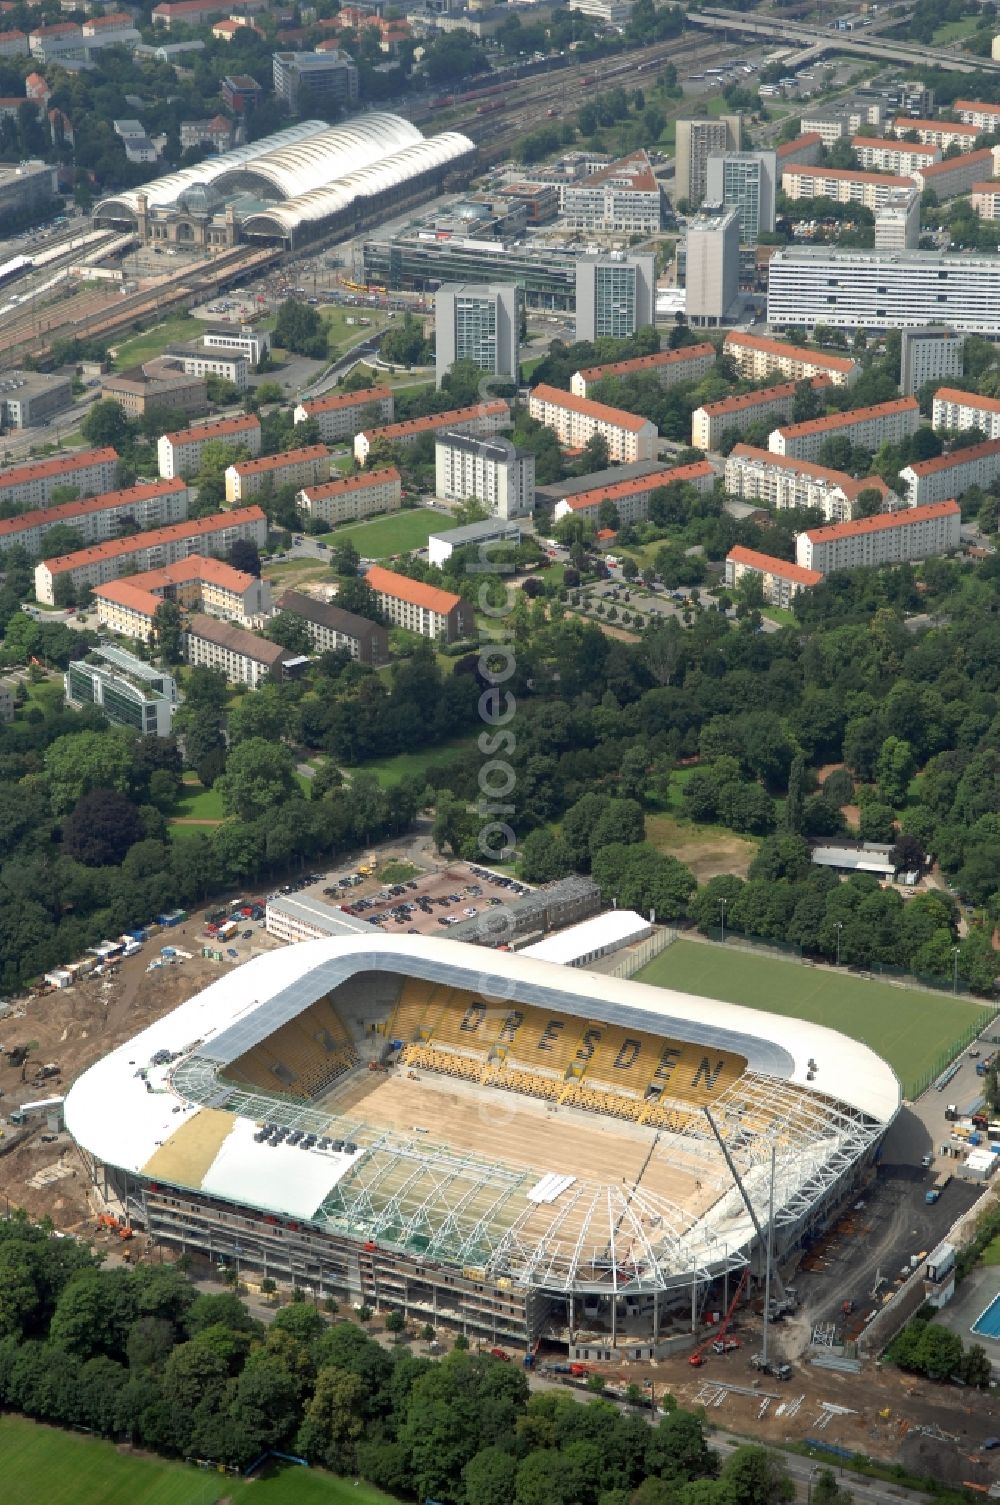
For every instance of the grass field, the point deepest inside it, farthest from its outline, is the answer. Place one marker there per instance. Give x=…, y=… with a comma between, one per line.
x=196, y=803
x=142, y=347
x=395, y=533
x=409, y=765
x=910, y=1028
x=45, y=1466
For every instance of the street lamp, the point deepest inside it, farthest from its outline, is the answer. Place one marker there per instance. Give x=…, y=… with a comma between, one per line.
x=840, y=926
x=809, y=1483
x=722, y=906
x=955, y=952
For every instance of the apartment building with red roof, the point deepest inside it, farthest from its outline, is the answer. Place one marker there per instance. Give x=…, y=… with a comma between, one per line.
x=179, y=453
x=956, y=174
x=151, y=505
x=939, y=133
x=152, y=550
x=757, y=357
x=13, y=44
x=887, y=538
x=845, y=185
x=954, y=409
x=689, y=363
x=631, y=497
x=807, y=149
x=866, y=427
x=483, y=418
x=337, y=413
x=91, y=471
x=901, y=157
x=576, y=420
x=780, y=580
x=766, y=404
x=353, y=497
x=952, y=474
x=985, y=117
x=786, y=484
x=197, y=583
x=426, y=609
x=292, y=467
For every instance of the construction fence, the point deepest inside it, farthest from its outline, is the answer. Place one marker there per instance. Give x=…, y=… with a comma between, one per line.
x=632, y=960
x=880, y=971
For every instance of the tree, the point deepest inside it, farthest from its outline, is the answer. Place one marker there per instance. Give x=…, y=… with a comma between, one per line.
x=794, y=799
x=101, y=827
x=395, y=1323
x=245, y=556
x=290, y=632
x=168, y=629
x=88, y=760
x=345, y=558
x=756, y=1476
x=877, y=822
x=106, y=425
x=895, y=767
x=637, y=877
x=490, y=1477
x=259, y=776
x=300, y=329
x=544, y=857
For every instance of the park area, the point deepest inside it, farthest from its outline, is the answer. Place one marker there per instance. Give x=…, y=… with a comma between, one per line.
x=44, y=1466
x=916, y=1031
x=395, y=533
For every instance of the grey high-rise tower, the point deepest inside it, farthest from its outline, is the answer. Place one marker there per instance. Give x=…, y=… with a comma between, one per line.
x=615, y=295
x=477, y=322
x=697, y=140
x=745, y=181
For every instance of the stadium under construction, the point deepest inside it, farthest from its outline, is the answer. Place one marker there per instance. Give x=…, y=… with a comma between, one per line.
x=490, y=1141
x=304, y=183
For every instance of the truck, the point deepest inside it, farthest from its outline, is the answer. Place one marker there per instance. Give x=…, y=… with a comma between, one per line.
x=940, y=1182
x=983, y=1066
x=775, y=1368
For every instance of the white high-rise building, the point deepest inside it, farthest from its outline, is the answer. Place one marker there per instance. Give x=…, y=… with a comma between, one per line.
x=745, y=181
x=897, y=222
x=713, y=265
x=492, y=471
x=876, y=290
x=477, y=322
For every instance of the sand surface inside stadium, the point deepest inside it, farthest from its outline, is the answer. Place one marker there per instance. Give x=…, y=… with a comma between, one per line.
x=523, y=1133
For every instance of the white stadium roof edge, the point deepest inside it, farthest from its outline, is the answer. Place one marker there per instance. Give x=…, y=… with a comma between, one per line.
x=311, y=170
x=832, y=1116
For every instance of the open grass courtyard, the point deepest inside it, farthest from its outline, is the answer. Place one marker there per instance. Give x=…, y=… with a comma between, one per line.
x=912, y=1029
x=394, y=533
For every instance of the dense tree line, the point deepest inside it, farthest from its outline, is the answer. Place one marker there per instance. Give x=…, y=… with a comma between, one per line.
x=140, y=1355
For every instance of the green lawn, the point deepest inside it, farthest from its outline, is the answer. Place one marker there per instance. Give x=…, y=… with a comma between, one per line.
x=408, y=765
x=955, y=31
x=196, y=803
x=779, y=614
x=913, y=1030
x=142, y=347
x=395, y=533
x=45, y=1466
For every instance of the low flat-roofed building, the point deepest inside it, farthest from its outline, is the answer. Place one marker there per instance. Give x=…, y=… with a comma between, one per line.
x=426, y=609
x=583, y=944
x=353, y=497
x=861, y=857
x=338, y=414
x=242, y=657
x=30, y=184
x=441, y=546
x=552, y=494
x=30, y=397
x=331, y=628
x=781, y=581
x=229, y=364
x=297, y=917
x=129, y=691
x=255, y=344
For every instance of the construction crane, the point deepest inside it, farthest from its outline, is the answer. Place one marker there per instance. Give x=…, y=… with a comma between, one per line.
x=723, y=1327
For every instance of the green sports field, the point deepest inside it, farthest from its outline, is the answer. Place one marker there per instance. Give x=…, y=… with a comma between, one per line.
x=395, y=533
x=44, y=1466
x=915, y=1031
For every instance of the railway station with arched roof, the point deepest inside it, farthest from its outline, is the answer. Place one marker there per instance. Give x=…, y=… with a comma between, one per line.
x=308, y=180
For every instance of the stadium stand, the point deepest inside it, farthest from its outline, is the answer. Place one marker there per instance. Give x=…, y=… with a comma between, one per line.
x=304, y=1057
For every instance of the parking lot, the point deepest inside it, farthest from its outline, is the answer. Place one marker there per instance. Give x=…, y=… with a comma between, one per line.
x=430, y=904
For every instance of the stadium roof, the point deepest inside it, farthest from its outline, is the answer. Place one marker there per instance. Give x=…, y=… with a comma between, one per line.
x=137, y=1116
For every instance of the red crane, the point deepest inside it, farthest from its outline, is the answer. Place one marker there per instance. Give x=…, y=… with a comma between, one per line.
x=718, y=1332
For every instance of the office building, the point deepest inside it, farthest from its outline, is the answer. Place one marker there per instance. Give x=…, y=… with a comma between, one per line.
x=414, y=260
x=784, y=484
x=956, y=175
x=576, y=420
x=745, y=181
x=623, y=198
x=478, y=418
x=91, y=471
x=615, y=296
x=887, y=538
x=630, y=497
x=939, y=133
x=712, y=276
x=757, y=357
x=179, y=453
x=229, y=364
x=159, y=384
x=292, y=467
x=425, y=609
x=955, y=410
x=352, y=498
x=492, y=471
x=477, y=322
x=255, y=344
x=30, y=397
x=670, y=367
x=606, y=12
x=478, y=536
x=897, y=222
x=129, y=606
x=697, y=140
x=339, y=414
x=129, y=691
x=153, y=504
x=736, y=414
x=309, y=81
x=333, y=630
x=845, y=185
x=952, y=474
x=868, y=428
x=242, y=657
x=213, y=535
x=929, y=354
x=781, y=581
x=846, y=120
x=872, y=290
